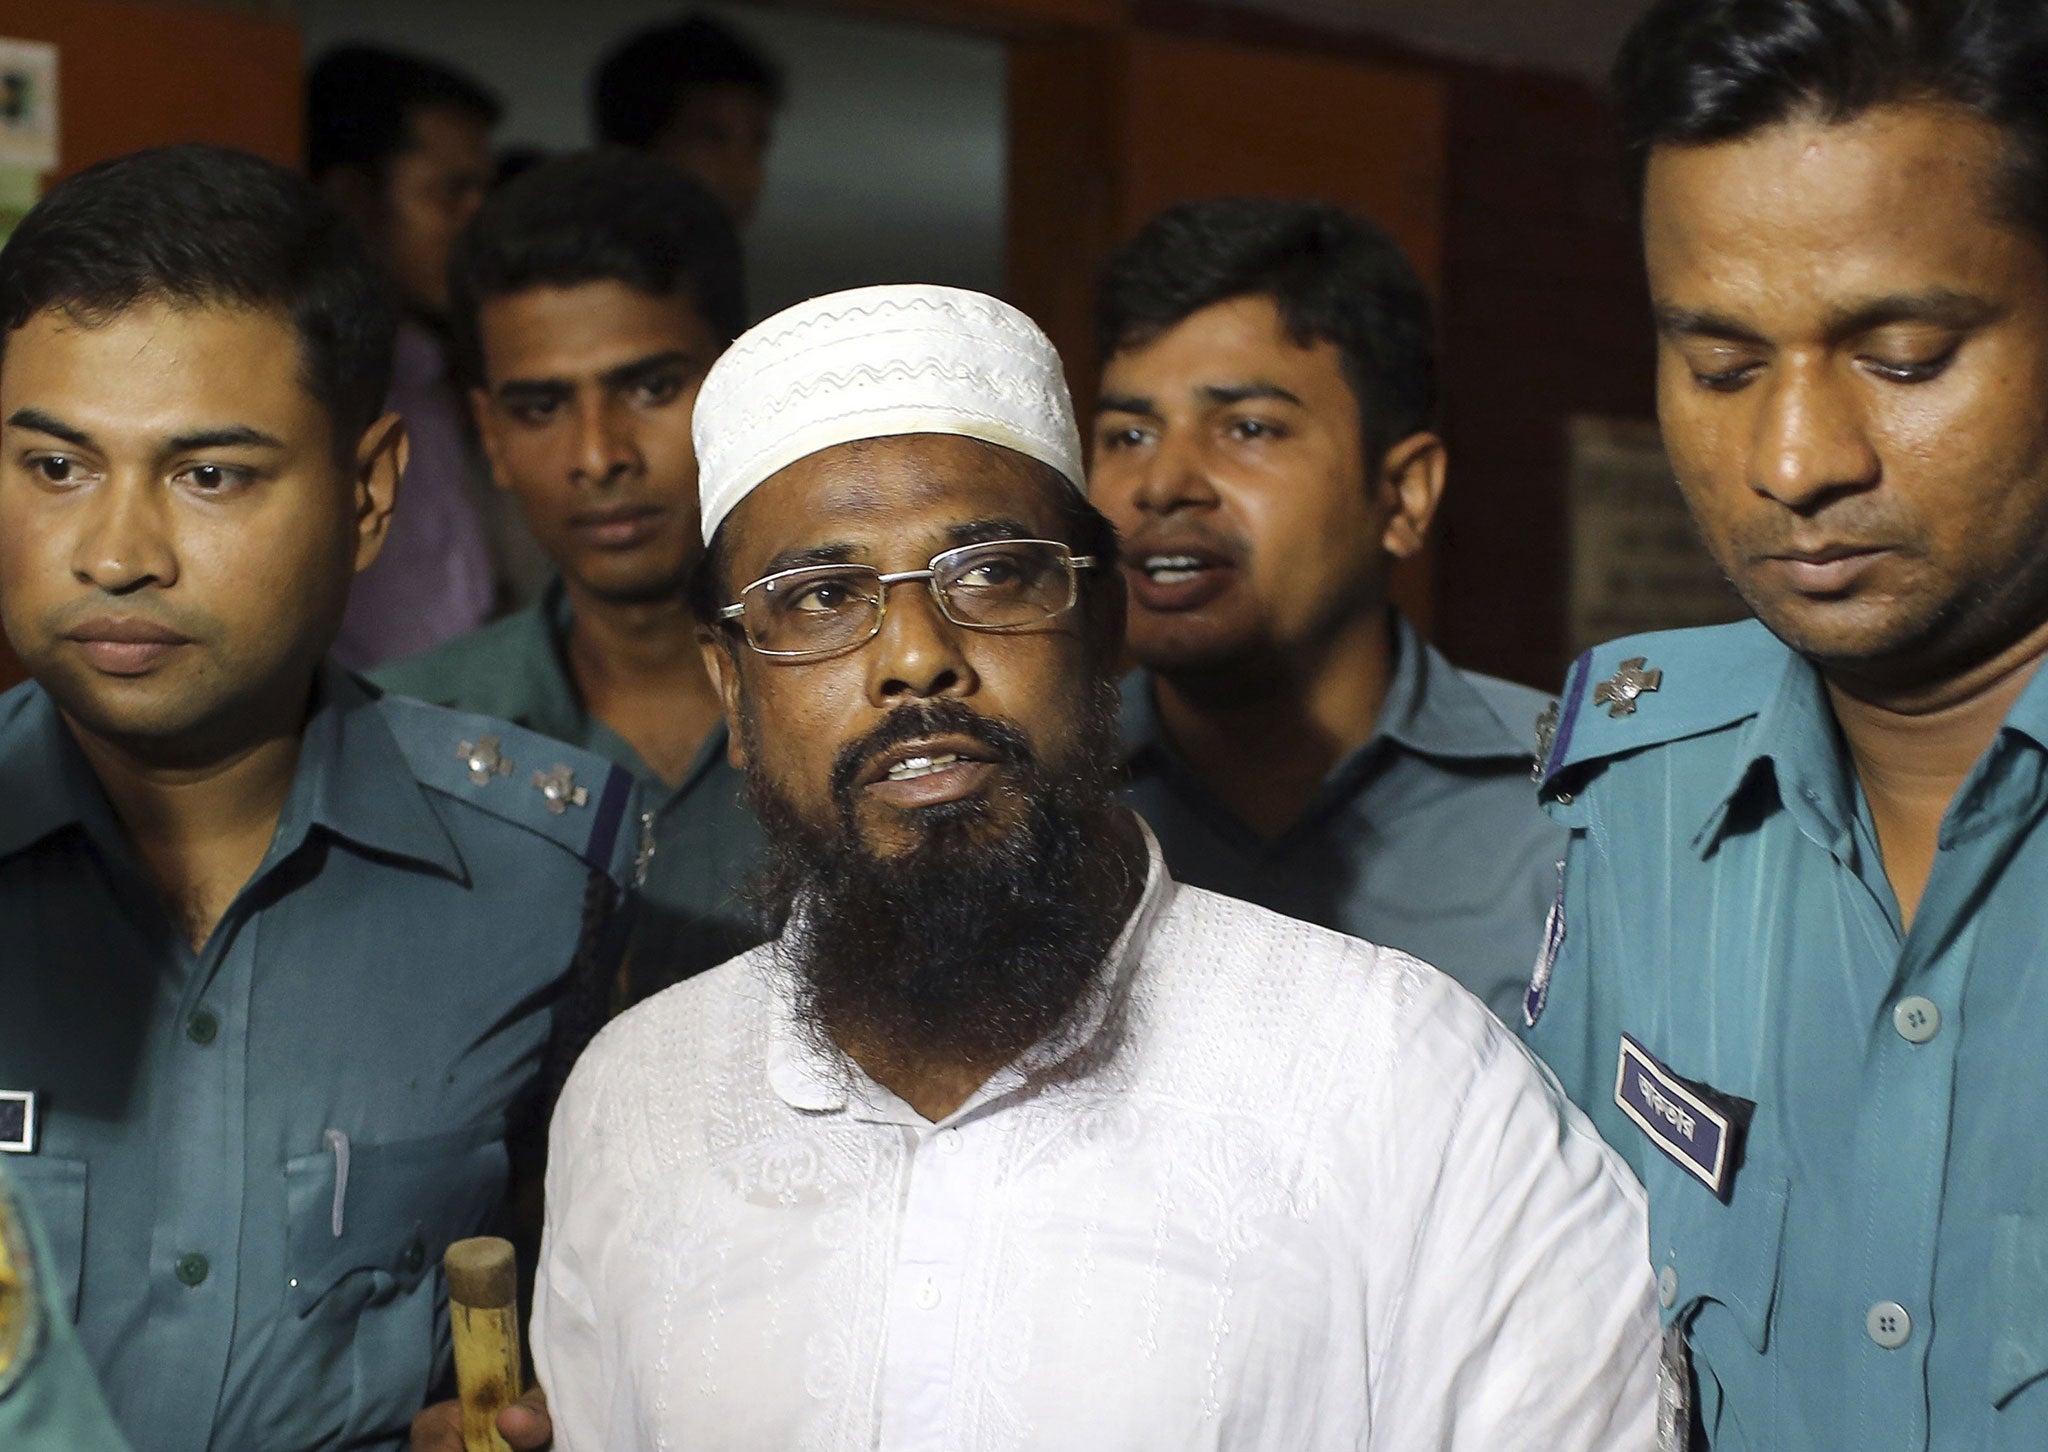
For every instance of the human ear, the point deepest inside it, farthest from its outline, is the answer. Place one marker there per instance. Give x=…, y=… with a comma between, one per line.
x=721, y=663
x=1410, y=487
x=379, y=464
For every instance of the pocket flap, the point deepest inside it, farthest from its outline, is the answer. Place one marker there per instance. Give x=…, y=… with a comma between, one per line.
x=1703, y=1250
x=401, y=1204
x=2019, y=1279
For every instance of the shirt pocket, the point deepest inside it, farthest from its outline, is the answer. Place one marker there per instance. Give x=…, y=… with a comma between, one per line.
x=368, y=1225
x=2019, y=1303
x=1717, y=1269
x=55, y=1188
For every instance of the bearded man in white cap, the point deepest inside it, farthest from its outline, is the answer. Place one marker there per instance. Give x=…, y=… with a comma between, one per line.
x=1006, y=1141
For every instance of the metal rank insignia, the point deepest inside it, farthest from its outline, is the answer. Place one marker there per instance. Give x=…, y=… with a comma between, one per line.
x=484, y=759
x=560, y=789
x=1619, y=692
x=1546, y=737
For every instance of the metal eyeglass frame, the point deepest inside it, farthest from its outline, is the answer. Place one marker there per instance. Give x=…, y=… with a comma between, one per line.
x=929, y=574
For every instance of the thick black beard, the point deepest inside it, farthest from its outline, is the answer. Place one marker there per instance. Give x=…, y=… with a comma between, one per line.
x=965, y=950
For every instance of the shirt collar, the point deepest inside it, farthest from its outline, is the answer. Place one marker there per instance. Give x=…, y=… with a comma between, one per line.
x=809, y=1076
x=352, y=780
x=541, y=656
x=44, y=778
x=1795, y=744
x=2029, y=714
x=538, y=657
x=1430, y=709
x=1793, y=747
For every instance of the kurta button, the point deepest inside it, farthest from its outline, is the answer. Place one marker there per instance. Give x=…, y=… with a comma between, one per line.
x=1667, y=1287
x=202, y=1028
x=1916, y=1019
x=191, y=1268
x=928, y=1296
x=1889, y=1325
x=949, y=1141
x=415, y=1256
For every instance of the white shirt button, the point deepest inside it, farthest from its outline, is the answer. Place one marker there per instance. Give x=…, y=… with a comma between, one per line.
x=928, y=1295
x=949, y=1141
x=1916, y=1019
x=1667, y=1287
x=1889, y=1325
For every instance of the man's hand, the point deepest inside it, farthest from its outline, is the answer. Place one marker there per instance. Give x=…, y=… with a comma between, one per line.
x=524, y=1425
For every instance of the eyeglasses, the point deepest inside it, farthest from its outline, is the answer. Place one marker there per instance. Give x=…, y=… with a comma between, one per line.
x=1008, y=584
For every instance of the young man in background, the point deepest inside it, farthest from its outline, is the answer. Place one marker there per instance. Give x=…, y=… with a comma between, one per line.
x=1265, y=443
x=590, y=296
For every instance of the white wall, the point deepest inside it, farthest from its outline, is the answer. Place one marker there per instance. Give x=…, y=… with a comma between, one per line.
x=888, y=164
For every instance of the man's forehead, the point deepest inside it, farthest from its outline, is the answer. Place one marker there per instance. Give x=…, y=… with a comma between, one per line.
x=585, y=331
x=1217, y=354
x=1885, y=201
x=158, y=370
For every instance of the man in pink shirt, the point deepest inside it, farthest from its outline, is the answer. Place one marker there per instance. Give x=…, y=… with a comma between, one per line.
x=402, y=146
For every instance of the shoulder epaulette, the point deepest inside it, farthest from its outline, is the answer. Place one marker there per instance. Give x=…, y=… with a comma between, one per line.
x=575, y=798
x=1649, y=690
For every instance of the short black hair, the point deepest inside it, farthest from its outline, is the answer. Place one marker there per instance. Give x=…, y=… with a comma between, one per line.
x=1083, y=529
x=641, y=81
x=1693, y=72
x=208, y=226
x=598, y=216
x=360, y=101
x=1334, y=276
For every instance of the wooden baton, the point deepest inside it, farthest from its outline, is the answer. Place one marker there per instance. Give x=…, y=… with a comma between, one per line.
x=483, y=1304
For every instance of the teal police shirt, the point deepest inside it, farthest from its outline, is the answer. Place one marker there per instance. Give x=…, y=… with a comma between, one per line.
x=49, y=1401
x=1427, y=838
x=700, y=839
x=1868, y=1266
x=249, y=1159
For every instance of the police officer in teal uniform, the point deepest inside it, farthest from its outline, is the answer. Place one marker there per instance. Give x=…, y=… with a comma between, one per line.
x=588, y=297
x=1799, y=966
x=291, y=968
x=49, y=1401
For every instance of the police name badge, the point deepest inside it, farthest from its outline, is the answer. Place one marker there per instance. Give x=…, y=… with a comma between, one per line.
x=1699, y=1128
x=17, y=1122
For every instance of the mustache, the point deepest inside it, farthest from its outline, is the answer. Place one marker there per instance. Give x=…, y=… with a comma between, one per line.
x=1173, y=533
x=1006, y=743
x=150, y=606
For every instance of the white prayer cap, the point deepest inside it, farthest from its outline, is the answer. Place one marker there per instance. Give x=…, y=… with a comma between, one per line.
x=873, y=363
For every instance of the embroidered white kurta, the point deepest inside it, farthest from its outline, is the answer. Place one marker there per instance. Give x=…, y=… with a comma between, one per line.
x=1278, y=1189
